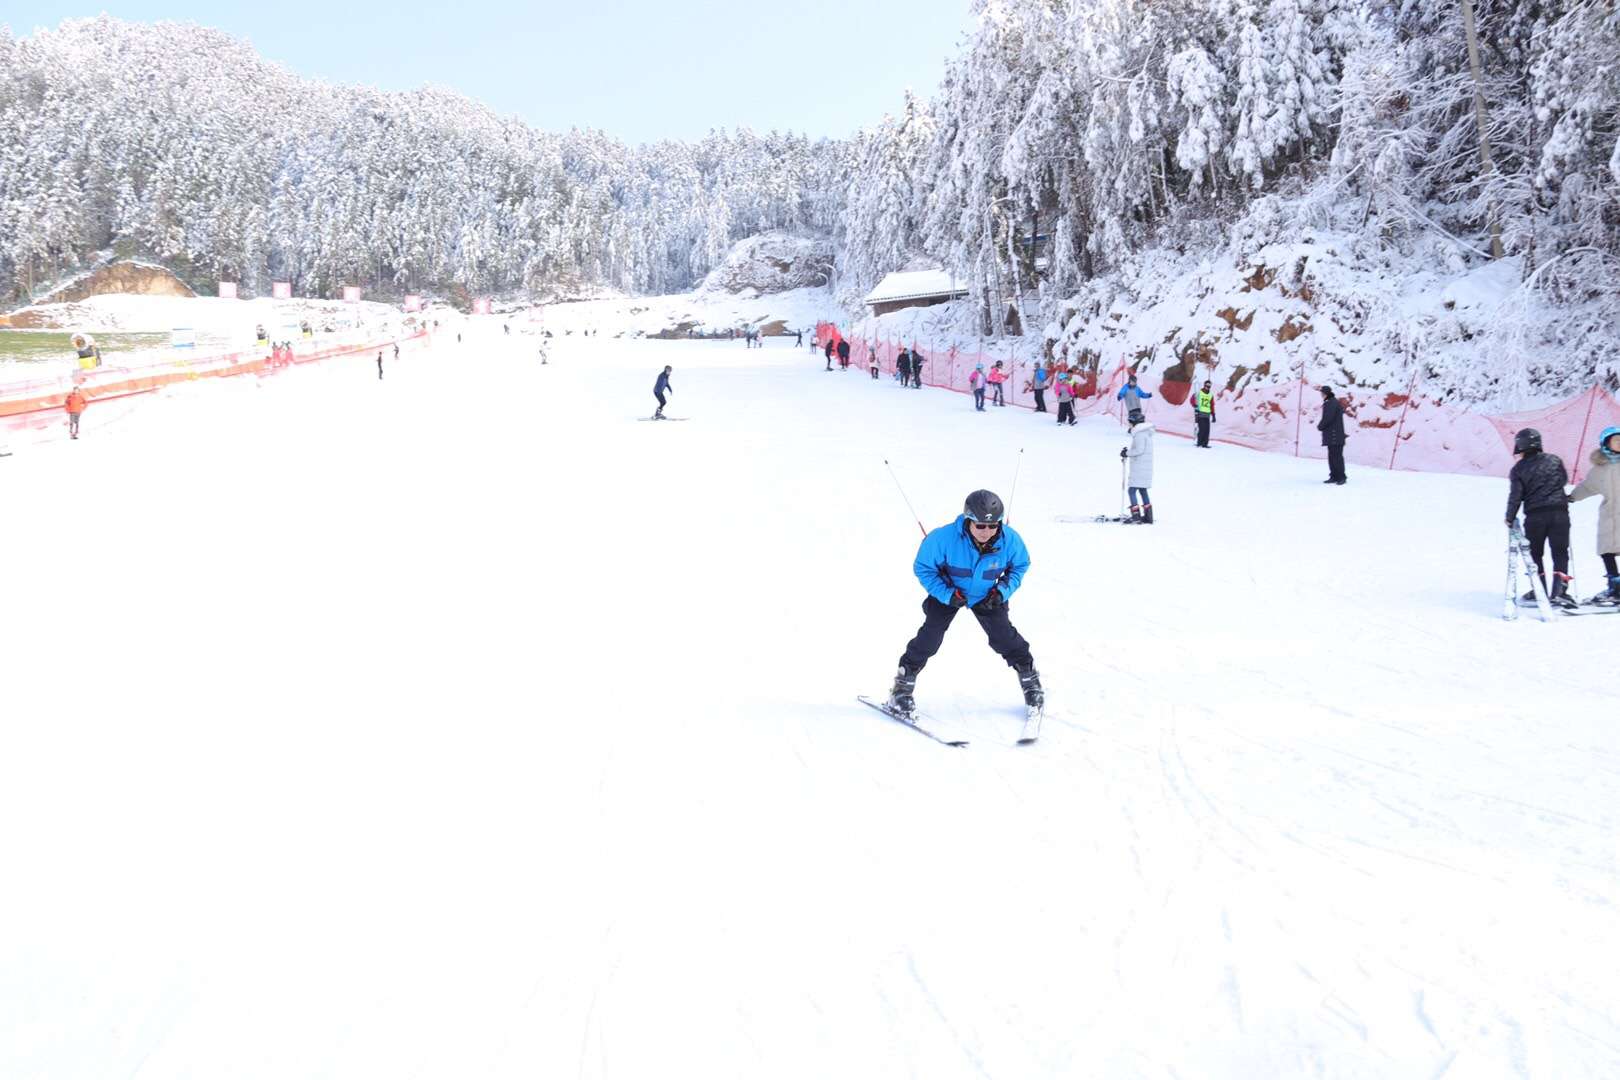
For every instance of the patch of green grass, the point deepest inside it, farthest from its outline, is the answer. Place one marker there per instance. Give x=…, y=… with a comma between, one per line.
x=26, y=345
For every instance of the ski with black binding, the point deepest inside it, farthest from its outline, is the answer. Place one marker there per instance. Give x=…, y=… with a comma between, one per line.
x=908, y=721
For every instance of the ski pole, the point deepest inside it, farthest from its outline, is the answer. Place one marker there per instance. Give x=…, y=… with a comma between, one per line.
x=1123, y=464
x=903, y=496
x=1006, y=515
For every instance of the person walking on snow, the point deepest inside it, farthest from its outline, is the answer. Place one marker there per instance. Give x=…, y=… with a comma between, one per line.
x=1065, y=398
x=1537, y=482
x=976, y=562
x=997, y=377
x=1204, y=413
x=396, y=350
x=829, y=353
x=1140, y=455
x=1332, y=428
x=1604, y=480
x=872, y=358
x=843, y=354
x=916, y=368
x=976, y=384
x=1038, y=383
x=902, y=365
x=662, y=387
x=1132, y=395
x=379, y=365
x=75, y=405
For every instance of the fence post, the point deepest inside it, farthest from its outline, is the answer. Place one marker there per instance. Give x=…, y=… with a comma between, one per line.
x=1402, y=425
x=1591, y=400
x=1299, y=407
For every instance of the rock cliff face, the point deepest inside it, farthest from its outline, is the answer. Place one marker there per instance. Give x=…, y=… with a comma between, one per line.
x=142, y=279
x=772, y=262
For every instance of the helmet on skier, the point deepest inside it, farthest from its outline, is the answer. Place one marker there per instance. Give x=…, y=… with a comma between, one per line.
x=983, y=507
x=1136, y=416
x=1528, y=440
x=1603, y=442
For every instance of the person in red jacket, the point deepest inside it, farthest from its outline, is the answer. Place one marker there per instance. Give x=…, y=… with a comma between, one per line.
x=76, y=401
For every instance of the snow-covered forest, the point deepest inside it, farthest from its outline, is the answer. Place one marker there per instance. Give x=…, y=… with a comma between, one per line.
x=182, y=144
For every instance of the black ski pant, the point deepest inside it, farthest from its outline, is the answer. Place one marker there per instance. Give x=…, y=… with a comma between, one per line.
x=1548, y=525
x=1065, y=412
x=1610, y=567
x=1203, y=428
x=1336, y=462
x=997, y=626
x=661, y=401
x=1040, y=401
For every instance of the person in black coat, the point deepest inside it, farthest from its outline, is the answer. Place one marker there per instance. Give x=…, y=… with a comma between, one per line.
x=902, y=364
x=843, y=354
x=829, y=352
x=1332, y=428
x=916, y=369
x=1537, y=482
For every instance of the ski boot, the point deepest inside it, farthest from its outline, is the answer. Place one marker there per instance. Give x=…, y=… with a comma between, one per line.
x=1147, y=513
x=901, y=702
x=1136, y=515
x=1610, y=597
x=1559, y=597
x=1029, y=680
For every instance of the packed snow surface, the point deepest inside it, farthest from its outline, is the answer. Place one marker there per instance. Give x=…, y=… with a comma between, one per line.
x=463, y=724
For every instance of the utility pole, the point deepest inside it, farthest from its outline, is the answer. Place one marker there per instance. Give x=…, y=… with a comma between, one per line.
x=1479, y=120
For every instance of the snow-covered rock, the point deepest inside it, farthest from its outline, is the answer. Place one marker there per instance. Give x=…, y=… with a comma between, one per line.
x=772, y=262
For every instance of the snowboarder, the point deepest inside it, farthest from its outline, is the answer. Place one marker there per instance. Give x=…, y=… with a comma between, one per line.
x=1132, y=395
x=843, y=354
x=1038, y=383
x=1604, y=480
x=996, y=378
x=379, y=365
x=976, y=384
x=75, y=405
x=1140, y=454
x=1537, y=483
x=1065, y=398
x=1204, y=413
x=1332, y=428
x=829, y=351
x=662, y=387
x=975, y=562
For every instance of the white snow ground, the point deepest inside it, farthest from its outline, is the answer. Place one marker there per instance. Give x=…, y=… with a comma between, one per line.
x=462, y=725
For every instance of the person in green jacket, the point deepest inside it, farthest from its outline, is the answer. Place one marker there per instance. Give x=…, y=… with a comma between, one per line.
x=1204, y=413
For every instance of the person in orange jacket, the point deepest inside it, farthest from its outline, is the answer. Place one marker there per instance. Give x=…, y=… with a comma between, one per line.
x=76, y=401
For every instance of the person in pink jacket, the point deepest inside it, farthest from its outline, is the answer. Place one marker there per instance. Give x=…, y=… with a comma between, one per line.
x=976, y=381
x=997, y=377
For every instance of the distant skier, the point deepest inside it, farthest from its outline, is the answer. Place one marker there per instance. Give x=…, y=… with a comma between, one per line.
x=975, y=562
x=976, y=384
x=843, y=354
x=997, y=379
x=1064, y=388
x=872, y=358
x=505, y=329
x=1038, y=383
x=1204, y=413
x=75, y=405
x=660, y=388
x=1132, y=395
x=798, y=339
x=396, y=350
x=379, y=365
x=1604, y=480
x=829, y=351
x=1332, y=428
x=1140, y=455
x=902, y=366
x=1537, y=483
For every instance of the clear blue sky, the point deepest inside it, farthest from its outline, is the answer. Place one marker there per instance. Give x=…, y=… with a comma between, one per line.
x=638, y=69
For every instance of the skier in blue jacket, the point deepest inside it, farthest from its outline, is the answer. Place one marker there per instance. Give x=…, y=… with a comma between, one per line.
x=660, y=388
x=975, y=562
x=1132, y=395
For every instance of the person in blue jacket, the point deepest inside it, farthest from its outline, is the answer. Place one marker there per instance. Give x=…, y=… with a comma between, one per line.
x=976, y=562
x=1132, y=395
x=660, y=388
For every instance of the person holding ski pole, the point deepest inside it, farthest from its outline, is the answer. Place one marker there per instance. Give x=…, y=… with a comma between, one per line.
x=1132, y=395
x=1604, y=480
x=662, y=387
x=1204, y=413
x=976, y=562
x=1537, y=482
x=1140, y=455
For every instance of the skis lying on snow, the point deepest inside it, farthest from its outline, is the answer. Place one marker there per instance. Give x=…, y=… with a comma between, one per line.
x=909, y=721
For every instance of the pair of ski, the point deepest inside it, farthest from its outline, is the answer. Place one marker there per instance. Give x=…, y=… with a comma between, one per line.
x=646, y=418
x=1122, y=519
x=1030, y=732
x=1520, y=559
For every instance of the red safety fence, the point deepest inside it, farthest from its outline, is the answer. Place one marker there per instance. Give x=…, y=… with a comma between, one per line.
x=37, y=403
x=1409, y=431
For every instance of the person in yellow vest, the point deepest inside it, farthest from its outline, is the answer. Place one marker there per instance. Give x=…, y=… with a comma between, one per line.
x=1204, y=413
x=89, y=352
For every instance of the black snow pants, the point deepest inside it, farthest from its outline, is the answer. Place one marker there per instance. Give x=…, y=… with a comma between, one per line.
x=997, y=625
x=1336, y=462
x=1040, y=401
x=1065, y=412
x=1203, y=429
x=1540, y=527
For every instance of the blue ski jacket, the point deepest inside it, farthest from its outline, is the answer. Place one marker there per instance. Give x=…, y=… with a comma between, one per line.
x=662, y=384
x=949, y=559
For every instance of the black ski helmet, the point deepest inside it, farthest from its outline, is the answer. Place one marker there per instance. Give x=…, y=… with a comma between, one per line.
x=1528, y=439
x=1136, y=416
x=984, y=507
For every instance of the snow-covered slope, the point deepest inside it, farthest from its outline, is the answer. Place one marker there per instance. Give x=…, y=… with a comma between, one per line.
x=705, y=312
x=411, y=731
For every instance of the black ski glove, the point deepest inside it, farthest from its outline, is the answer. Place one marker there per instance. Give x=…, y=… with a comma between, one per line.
x=1124, y=452
x=957, y=599
x=992, y=601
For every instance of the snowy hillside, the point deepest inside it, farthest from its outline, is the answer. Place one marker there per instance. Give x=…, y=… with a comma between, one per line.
x=772, y=262
x=703, y=312
x=364, y=765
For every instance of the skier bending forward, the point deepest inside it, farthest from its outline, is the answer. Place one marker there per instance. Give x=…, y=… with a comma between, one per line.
x=975, y=562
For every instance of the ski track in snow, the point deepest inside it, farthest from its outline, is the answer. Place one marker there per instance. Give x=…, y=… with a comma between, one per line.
x=457, y=724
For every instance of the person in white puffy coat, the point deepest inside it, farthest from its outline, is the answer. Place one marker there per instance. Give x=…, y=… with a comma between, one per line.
x=1140, y=455
x=1604, y=480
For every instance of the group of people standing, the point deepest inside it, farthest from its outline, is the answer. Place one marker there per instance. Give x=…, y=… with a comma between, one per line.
x=1536, y=484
